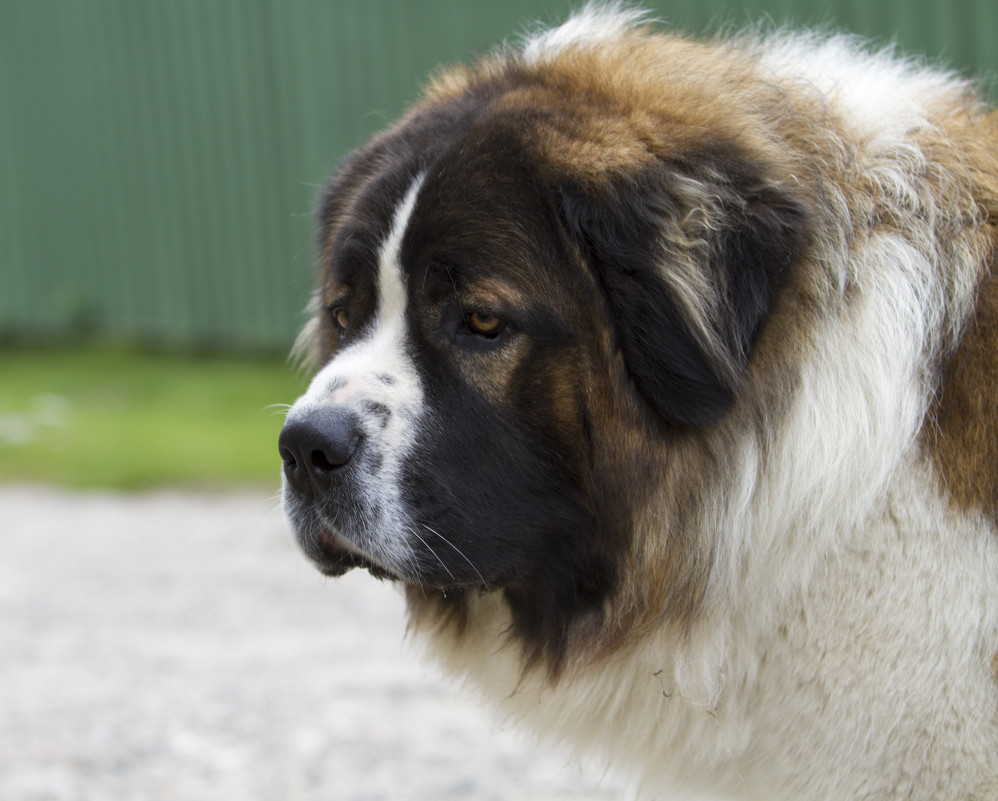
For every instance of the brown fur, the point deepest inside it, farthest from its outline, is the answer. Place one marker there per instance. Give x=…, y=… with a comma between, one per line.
x=965, y=415
x=962, y=426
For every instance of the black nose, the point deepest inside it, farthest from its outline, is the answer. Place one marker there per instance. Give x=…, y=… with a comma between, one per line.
x=316, y=448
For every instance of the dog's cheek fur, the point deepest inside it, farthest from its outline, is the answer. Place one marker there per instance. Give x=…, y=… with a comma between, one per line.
x=526, y=481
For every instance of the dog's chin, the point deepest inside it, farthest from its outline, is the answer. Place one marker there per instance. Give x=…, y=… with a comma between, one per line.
x=333, y=559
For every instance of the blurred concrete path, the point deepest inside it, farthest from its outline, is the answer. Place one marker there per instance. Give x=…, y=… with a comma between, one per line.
x=175, y=646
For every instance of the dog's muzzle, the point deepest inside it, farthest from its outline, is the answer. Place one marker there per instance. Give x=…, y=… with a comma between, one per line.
x=318, y=450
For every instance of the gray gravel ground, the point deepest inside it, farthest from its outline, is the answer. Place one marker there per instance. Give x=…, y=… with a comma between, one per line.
x=176, y=646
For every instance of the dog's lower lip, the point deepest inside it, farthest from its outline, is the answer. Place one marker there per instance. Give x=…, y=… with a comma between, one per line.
x=331, y=558
x=337, y=560
x=329, y=544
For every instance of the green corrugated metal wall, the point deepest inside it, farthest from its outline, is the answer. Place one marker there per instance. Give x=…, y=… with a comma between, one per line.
x=159, y=160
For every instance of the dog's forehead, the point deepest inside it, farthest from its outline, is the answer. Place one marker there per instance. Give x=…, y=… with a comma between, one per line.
x=391, y=292
x=380, y=350
x=487, y=222
x=480, y=214
x=352, y=238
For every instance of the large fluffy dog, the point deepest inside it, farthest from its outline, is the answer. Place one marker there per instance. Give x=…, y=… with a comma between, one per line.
x=662, y=376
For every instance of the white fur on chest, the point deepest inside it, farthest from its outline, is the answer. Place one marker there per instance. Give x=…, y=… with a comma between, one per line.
x=874, y=680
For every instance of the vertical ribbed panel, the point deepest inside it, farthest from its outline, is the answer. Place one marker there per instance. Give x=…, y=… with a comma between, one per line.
x=159, y=160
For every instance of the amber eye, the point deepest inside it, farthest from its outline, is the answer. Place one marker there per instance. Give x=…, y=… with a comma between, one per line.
x=484, y=324
x=341, y=317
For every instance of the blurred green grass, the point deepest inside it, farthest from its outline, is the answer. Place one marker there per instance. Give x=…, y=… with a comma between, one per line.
x=126, y=419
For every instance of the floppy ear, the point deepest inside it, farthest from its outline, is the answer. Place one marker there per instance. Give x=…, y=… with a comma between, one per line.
x=689, y=265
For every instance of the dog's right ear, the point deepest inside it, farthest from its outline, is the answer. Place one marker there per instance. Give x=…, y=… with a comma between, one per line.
x=689, y=264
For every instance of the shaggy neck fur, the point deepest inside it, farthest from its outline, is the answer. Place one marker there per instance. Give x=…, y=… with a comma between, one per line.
x=806, y=672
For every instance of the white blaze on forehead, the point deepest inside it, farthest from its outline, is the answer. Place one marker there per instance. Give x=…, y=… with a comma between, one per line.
x=391, y=287
x=381, y=350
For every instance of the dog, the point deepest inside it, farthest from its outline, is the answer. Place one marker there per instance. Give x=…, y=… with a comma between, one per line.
x=660, y=374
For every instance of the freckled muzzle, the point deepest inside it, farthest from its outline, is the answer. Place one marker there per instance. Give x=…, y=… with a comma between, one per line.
x=342, y=515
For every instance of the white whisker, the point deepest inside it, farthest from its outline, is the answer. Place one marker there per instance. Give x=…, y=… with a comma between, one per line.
x=416, y=535
x=460, y=553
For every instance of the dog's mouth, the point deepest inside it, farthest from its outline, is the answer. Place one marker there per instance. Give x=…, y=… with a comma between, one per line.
x=333, y=558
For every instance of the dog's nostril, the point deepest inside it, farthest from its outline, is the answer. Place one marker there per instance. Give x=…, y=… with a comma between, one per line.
x=315, y=448
x=288, y=458
x=320, y=461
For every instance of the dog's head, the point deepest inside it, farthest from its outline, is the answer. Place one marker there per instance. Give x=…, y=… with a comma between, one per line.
x=531, y=293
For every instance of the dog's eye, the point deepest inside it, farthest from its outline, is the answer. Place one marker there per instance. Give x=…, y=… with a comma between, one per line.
x=484, y=324
x=340, y=316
